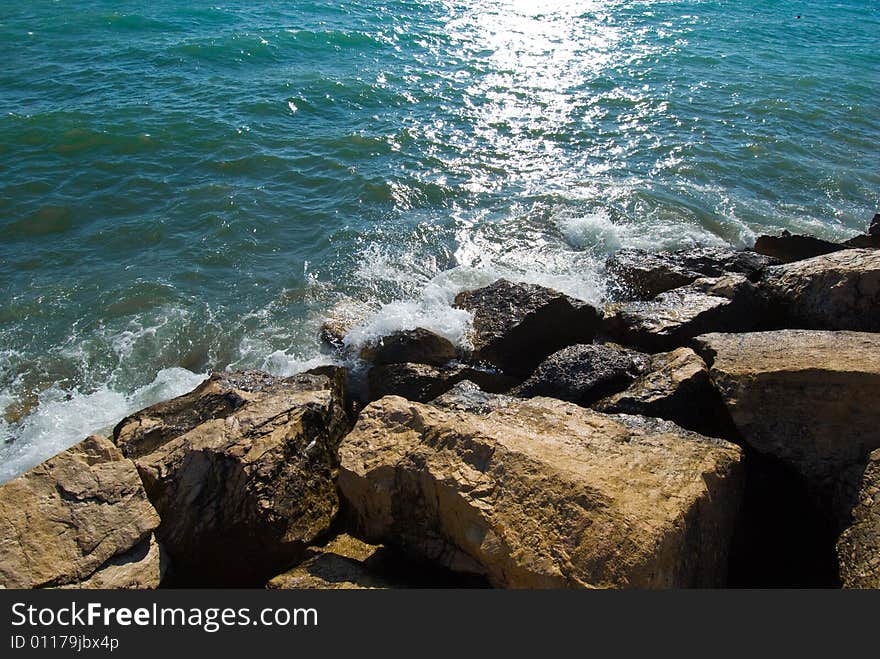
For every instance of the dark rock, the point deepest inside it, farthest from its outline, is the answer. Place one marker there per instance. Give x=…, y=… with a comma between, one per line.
x=421, y=382
x=788, y=247
x=672, y=319
x=639, y=274
x=583, y=374
x=839, y=291
x=466, y=396
x=677, y=387
x=418, y=346
x=858, y=549
x=863, y=242
x=517, y=325
x=243, y=466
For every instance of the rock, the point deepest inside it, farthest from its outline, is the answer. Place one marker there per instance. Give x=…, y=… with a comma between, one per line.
x=543, y=493
x=858, y=549
x=79, y=519
x=467, y=396
x=807, y=398
x=867, y=242
x=418, y=346
x=341, y=564
x=839, y=291
x=421, y=383
x=789, y=248
x=676, y=387
x=340, y=319
x=639, y=274
x=672, y=319
x=241, y=467
x=518, y=325
x=583, y=374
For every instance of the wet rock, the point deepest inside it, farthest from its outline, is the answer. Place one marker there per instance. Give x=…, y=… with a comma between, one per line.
x=839, y=291
x=672, y=319
x=807, y=398
x=418, y=346
x=421, y=383
x=639, y=274
x=858, y=549
x=243, y=466
x=543, y=493
x=677, y=387
x=583, y=374
x=467, y=396
x=517, y=325
x=79, y=519
x=340, y=319
x=789, y=248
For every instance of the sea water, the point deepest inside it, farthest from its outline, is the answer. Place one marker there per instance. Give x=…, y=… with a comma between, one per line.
x=189, y=185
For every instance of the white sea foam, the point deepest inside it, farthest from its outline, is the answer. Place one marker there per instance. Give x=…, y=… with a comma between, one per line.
x=63, y=418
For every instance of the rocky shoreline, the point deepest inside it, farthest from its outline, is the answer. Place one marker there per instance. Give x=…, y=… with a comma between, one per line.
x=713, y=424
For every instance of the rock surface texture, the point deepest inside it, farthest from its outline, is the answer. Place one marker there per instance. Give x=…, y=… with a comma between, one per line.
x=80, y=519
x=584, y=373
x=517, y=325
x=839, y=291
x=788, y=248
x=672, y=319
x=342, y=564
x=639, y=274
x=543, y=493
x=858, y=549
x=421, y=382
x=805, y=397
x=241, y=471
x=418, y=346
x=677, y=387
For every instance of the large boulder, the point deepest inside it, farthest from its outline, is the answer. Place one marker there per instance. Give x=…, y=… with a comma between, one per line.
x=639, y=274
x=789, y=247
x=583, y=373
x=517, y=325
x=241, y=471
x=858, y=549
x=543, y=493
x=80, y=519
x=418, y=346
x=421, y=382
x=670, y=320
x=676, y=386
x=808, y=398
x=839, y=291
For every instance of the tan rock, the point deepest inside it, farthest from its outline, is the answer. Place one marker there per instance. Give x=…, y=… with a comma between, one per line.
x=340, y=564
x=839, y=291
x=858, y=549
x=81, y=518
x=241, y=471
x=806, y=397
x=543, y=493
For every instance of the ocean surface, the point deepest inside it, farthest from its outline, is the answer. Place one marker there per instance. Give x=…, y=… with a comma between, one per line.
x=188, y=186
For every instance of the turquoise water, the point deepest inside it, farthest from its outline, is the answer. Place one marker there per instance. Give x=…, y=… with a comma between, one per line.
x=187, y=185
